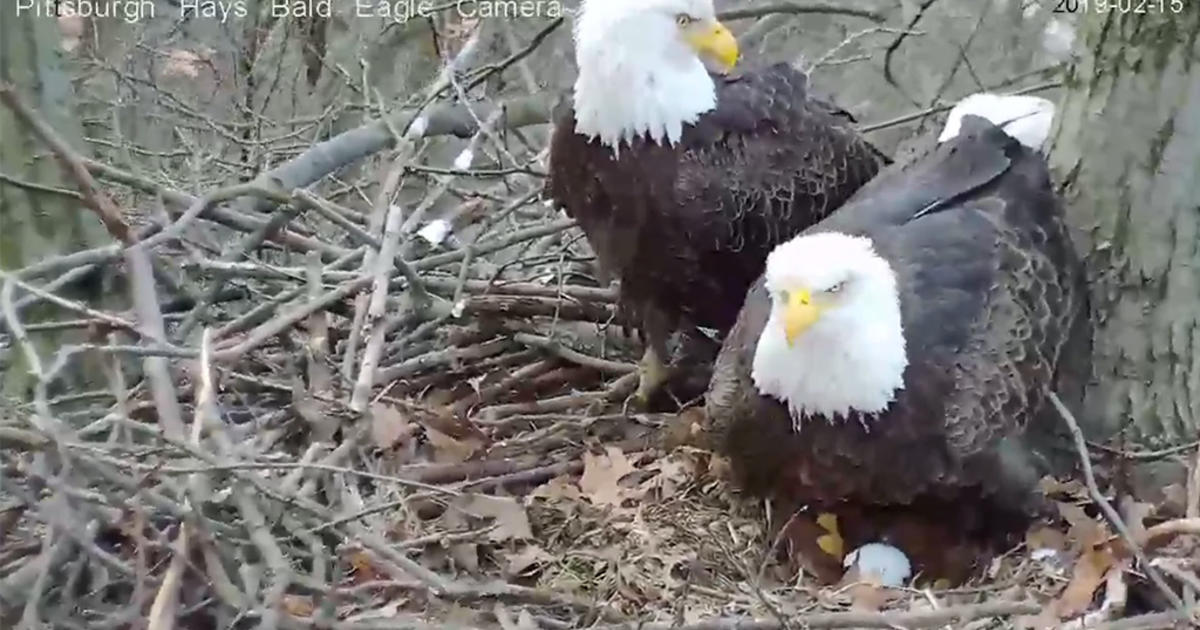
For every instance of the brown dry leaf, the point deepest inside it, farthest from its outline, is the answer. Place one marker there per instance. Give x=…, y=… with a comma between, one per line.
x=298, y=606
x=1135, y=513
x=1070, y=487
x=525, y=560
x=602, y=476
x=1071, y=513
x=449, y=450
x=1085, y=531
x=364, y=569
x=686, y=429
x=557, y=489
x=512, y=523
x=673, y=472
x=869, y=596
x=389, y=426
x=1090, y=571
x=1044, y=537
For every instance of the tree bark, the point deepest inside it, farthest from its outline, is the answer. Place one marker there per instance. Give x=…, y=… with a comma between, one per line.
x=36, y=222
x=1128, y=150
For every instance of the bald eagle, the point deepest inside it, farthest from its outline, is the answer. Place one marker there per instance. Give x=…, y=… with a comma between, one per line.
x=894, y=353
x=683, y=180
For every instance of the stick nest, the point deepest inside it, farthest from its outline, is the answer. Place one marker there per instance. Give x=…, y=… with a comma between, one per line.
x=288, y=413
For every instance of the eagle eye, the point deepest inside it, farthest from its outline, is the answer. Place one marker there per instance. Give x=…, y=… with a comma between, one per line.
x=836, y=287
x=684, y=19
x=783, y=296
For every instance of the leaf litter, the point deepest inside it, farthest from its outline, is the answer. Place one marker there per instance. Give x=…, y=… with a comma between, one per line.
x=573, y=519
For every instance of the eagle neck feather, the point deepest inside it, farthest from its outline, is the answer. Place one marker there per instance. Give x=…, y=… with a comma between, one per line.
x=851, y=362
x=650, y=86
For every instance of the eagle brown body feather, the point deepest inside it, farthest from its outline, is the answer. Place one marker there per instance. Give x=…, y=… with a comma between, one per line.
x=688, y=227
x=991, y=294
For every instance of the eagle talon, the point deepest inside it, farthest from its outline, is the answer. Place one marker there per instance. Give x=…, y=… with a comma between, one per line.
x=831, y=542
x=652, y=373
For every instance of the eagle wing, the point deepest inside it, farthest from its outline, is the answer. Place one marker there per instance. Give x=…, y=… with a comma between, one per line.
x=992, y=284
x=770, y=161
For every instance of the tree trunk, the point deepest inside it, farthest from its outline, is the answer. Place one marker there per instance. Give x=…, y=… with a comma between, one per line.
x=1128, y=146
x=36, y=222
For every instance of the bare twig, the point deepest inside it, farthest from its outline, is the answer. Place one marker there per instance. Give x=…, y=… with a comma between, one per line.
x=1109, y=512
x=557, y=348
x=375, y=311
x=145, y=300
x=895, y=45
x=162, y=611
x=799, y=8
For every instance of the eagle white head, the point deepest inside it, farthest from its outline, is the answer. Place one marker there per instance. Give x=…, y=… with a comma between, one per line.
x=834, y=340
x=1026, y=118
x=643, y=67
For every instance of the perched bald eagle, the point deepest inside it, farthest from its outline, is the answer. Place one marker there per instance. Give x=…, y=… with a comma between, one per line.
x=894, y=353
x=684, y=180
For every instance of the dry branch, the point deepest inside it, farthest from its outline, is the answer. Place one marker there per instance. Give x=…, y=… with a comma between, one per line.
x=145, y=301
x=374, y=321
x=1110, y=513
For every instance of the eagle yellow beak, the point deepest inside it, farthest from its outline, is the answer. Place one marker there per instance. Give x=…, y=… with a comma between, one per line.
x=713, y=41
x=799, y=314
